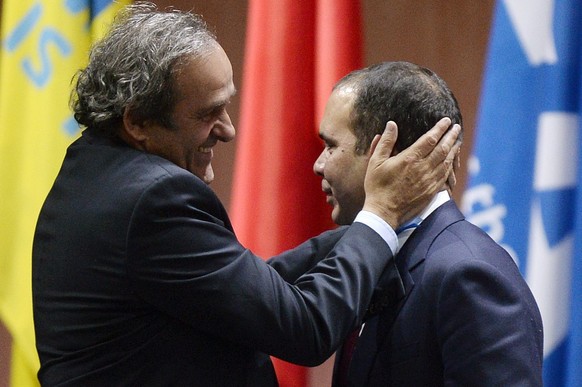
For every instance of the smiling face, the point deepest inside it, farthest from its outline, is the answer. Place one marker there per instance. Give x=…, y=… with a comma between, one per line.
x=343, y=170
x=204, y=87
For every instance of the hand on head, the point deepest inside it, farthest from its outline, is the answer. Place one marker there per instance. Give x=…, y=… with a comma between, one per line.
x=400, y=187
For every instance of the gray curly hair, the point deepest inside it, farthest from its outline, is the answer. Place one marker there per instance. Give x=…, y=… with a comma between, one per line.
x=133, y=66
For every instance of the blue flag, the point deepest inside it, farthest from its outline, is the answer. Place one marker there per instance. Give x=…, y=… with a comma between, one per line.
x=524, y=175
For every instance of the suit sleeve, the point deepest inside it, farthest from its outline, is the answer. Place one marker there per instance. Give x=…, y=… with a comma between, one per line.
x=489, y=334
x=184, y=262
x=291, y=264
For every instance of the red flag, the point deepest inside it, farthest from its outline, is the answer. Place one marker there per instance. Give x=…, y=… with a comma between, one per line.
x=338, y=45
x=295, y=51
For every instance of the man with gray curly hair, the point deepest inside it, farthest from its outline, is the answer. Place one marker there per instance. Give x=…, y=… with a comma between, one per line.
x=138, y=277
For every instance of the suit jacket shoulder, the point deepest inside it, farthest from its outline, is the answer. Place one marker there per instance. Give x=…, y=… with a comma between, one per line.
x=468, y=317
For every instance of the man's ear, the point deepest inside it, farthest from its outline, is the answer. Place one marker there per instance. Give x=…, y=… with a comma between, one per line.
x=133, y=131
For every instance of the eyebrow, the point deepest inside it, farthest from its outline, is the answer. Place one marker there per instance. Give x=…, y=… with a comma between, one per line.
x=325, y=138
x=217, y=105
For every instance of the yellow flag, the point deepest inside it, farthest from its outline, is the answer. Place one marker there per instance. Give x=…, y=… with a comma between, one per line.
x=44, y=42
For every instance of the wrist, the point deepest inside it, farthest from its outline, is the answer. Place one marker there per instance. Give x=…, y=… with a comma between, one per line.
x=383, y=229
x=385, y=214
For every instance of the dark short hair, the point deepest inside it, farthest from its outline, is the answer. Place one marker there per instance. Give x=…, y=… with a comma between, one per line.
x=412, y=96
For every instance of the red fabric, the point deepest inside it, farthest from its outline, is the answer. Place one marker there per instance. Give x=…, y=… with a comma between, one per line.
x=338, y=44
x=345, y=357
x=295, y=51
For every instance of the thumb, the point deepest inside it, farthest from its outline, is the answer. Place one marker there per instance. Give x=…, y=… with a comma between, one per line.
x=382, y=145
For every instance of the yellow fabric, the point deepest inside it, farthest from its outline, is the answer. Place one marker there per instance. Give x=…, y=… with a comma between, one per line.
x=44, y=42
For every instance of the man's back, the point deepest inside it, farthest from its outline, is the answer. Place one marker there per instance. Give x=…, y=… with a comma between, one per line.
x=92, y=325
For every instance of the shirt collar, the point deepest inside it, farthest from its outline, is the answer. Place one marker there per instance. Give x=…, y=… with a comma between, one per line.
x=438, y=200
x=405, y=230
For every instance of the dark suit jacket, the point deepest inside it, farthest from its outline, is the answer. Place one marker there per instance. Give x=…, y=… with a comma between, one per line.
x=467, y=319
x=138, y=279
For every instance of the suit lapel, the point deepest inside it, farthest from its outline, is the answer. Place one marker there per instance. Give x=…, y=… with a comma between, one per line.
x=379, y=324
x=389, y=296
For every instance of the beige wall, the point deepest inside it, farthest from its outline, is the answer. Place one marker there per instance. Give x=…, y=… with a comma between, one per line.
x=448, y=36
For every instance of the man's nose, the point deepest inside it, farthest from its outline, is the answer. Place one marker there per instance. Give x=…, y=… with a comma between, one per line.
x=319, y=164
x=224, y=130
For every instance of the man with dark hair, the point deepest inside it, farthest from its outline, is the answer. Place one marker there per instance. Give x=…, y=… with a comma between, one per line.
x=138, y=278
x=460, y=312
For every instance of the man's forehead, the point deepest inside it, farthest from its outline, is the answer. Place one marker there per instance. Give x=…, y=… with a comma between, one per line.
x=340, y=105
x=346, y=90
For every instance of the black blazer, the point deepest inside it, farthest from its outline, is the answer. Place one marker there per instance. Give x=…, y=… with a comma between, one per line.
x=138, y=279
x=467, y=319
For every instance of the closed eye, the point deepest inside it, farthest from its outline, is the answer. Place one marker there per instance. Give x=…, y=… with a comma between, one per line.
x=212, y=113
x=328, y=143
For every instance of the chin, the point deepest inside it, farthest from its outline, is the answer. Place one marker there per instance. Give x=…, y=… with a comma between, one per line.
x=338, y=218
x=208, y=179
x=207, y=175
x=344, y=217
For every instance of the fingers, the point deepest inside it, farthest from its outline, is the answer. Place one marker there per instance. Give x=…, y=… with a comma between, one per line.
x=452, y=181
x=398, y=188
x=455, y=154
x=375, y=142
x=451, y=146
x=382, y=146
x=425, y=145
x=457, y=162
x=447, y=148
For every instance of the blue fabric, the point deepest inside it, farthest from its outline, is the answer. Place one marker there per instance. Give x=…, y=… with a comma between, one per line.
x=95, y=6
x=524, y=175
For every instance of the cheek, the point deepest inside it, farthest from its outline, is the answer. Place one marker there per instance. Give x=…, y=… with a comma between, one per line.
x=337, y=162
x=199, y=133
x=349, y=179
x=194, y=130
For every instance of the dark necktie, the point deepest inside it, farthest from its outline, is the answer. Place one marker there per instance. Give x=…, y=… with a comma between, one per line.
x=393, y=292
x=346, y=356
